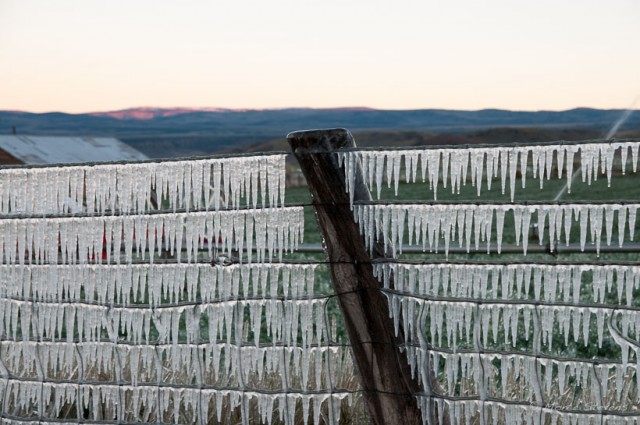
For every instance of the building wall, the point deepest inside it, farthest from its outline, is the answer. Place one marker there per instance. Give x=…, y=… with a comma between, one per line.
x=7, y=159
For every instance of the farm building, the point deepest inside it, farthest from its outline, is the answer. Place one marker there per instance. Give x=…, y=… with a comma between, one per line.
x=18, y=149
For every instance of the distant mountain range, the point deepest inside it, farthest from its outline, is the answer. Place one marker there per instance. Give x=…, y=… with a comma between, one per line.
x=148, y=113
x=164, y=132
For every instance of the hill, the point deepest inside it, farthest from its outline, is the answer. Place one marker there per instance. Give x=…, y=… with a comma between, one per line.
x=398, y=138
x=162, y=132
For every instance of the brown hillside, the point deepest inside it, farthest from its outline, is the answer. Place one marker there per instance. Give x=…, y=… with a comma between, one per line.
x=505, y=135
x=531, y=135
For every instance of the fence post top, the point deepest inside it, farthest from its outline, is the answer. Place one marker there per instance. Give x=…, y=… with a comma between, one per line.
x=339, y=136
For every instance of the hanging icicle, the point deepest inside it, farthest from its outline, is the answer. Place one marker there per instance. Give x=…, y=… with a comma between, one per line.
x=109, y=313
x=557, y=283
x=451, y=165
x=85, y=239
x=123, y=325
x=202, y=184
x=430, y=225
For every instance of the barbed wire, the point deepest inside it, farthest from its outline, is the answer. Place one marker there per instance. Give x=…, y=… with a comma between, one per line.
x=169, y=262
x=315, y=204
x=314, y=298
x=221, y=388
x=330, y=341
x=515, y=301
x=143, y=161
x=472, y=146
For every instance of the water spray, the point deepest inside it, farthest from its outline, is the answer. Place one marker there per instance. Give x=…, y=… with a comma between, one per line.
x=612, y=132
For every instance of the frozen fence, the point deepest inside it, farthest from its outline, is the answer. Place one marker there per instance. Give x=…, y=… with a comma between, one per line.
x=442, y=166
x=123, y=188
x=97, y=325
x=473, y=224
x=509, y=342
x=160, y=292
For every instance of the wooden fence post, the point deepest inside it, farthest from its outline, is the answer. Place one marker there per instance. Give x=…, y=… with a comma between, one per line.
x=383, y=369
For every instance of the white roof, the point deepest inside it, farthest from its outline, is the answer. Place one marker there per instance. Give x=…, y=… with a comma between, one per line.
x=68, y=150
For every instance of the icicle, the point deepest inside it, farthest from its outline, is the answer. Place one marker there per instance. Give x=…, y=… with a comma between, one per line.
x=477, y=165
x=582, y=214
x=396, y=162
x=513, y=168
x=632, y=210
x=499, y=227
x=595, y=158
x=589, y=155
x=595, y=221
x=600, y=318
x=517, y=220
x=635, y=147
x=524, y=157
x=607, y=152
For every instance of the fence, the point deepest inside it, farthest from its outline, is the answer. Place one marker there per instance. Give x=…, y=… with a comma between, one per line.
x=162, y=292
x=514, y=341
x=156, y=292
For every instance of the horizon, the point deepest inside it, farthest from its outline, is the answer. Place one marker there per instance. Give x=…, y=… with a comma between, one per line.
x=79, y=57
x=188, y=109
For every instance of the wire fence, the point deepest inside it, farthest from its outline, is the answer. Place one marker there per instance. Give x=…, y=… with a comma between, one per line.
x=162, y=293
x=508, y=342
x=116, y=309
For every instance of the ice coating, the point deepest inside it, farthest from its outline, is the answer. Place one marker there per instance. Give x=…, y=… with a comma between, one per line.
x=464, y=366
x=472, y=225
x=146, y=400
x=482, y=326
x=561, y=283
x=503, y=343
x=442, y=166
x=123, y=323
x=88, y=239
x=473, y=308
x=112, y=314
x=203, y=184
x=464, y=411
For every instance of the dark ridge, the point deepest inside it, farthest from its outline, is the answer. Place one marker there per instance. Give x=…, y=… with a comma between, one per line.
x=180, y=131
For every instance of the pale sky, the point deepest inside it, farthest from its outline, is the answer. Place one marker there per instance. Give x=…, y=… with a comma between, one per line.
x=91, y=55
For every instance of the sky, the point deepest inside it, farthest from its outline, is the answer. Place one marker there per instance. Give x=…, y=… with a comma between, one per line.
x=97, y=55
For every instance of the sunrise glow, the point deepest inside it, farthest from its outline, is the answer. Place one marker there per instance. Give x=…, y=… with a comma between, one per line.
x=80, y=56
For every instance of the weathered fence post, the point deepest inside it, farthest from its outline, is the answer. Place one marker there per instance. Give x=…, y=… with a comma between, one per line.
x=384, y=372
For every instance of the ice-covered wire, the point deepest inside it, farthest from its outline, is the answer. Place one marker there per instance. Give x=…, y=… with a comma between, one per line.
x=472, y=146
x=511, y=302
x=145, y=161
